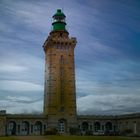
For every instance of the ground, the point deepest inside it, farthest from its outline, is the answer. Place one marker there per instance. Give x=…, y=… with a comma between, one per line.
x=67, y=138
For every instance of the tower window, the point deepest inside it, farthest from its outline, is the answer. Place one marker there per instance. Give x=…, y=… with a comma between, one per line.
x=61, y=59
x=62, y=108
x=61, y=34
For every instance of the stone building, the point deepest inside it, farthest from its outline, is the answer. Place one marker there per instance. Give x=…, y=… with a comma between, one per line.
x=60, y=96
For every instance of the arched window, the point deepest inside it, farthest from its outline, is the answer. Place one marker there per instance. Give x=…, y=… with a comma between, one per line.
x=108, y=126
x=62, y=126
x=85, y=126
x=38, y=128
x=11, y=128
x=25, y=128
x=97, y=126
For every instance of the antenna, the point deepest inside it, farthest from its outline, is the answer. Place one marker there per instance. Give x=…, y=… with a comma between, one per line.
x=63, y=9
x=63, y=5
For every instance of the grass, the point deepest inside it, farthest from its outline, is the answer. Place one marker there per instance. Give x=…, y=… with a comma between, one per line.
x=89, y=138
x=77, y=138
x=7, y=138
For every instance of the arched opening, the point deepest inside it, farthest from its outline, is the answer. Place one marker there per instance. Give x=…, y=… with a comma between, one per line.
x=62, y=126
x=97, y=126
x=38, y=128
x=85, y=126
x=25, y=128
x=108, y=126
x=11, y=128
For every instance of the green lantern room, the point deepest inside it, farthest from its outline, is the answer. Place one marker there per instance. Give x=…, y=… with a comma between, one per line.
x=59, y=21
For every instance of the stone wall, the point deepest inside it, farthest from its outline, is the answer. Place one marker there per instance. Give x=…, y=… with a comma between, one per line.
x=129, y=122
x=2, y=125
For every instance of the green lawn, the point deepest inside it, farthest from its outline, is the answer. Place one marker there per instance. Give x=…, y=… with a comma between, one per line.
x=75, y=138
x=89, y=138
x=6, y=138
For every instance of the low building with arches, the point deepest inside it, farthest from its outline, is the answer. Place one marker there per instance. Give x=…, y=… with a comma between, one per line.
x=13, y=124
x=110, y=125
x=25, y=124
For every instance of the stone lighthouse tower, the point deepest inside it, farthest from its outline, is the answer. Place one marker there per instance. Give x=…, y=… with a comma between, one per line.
x=59, y=94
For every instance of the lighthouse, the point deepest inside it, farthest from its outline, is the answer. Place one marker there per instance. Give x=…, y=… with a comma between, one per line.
x=59, y=86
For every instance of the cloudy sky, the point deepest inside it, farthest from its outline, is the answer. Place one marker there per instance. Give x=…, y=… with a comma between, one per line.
x=107, y=55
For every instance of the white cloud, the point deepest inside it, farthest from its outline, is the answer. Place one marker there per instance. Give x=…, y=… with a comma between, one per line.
x=18, y=98
x=20, y=107
x=12, y=68
x=21, y=66
x=19, y=86
x=108, y=104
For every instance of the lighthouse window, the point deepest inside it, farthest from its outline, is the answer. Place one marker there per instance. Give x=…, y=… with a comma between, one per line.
x=61, y=59
x=62, y=109
x=60, y=34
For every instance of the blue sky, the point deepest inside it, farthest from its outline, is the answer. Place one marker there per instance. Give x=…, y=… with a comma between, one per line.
x=107, y=55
